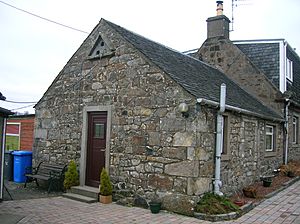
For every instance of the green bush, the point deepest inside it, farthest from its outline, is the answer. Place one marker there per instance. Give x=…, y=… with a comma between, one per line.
x=105, y=184
x=213, y=204
x=71, y=176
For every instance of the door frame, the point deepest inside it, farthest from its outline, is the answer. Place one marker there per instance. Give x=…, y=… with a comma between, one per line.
x=84, y=139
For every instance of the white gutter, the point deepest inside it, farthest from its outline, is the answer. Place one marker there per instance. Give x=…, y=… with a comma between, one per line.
x=286, y=148
x=219, y=141
x=237, y=109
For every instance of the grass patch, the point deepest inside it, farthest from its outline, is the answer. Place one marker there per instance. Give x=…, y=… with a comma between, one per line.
x=213, y=204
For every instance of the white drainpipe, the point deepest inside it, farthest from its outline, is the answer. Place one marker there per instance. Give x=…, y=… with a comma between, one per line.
x=286, y=148
x=219, y=141
x=2, y=159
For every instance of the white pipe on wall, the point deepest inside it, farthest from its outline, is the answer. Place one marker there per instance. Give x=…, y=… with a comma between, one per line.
x=222, y=98
x=219, y=141
x=286, y=148
x=2, y=138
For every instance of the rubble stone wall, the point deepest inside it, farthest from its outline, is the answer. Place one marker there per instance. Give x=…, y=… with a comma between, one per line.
x=293, y=147
x=248, y=159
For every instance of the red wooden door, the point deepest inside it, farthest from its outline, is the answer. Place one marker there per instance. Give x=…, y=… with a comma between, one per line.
x=96, y=144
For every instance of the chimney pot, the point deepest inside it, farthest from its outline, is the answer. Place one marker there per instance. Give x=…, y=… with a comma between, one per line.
x=219, y=8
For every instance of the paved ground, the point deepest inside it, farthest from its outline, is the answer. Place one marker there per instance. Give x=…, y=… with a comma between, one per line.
x=282, y=208
x=18, y=192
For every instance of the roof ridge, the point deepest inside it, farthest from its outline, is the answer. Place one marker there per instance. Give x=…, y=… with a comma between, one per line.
x=165, y=46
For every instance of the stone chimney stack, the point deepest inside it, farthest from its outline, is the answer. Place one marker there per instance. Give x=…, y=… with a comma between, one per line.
x=218, y=26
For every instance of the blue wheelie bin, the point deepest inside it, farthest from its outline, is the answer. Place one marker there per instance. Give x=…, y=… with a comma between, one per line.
x=22, y=159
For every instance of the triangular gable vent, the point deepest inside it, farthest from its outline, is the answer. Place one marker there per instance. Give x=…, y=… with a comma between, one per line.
x=101, y=48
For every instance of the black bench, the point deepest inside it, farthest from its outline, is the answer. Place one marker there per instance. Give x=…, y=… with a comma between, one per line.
x=52, y=173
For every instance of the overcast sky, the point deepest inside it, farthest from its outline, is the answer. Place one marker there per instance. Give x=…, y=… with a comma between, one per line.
x=33, y=51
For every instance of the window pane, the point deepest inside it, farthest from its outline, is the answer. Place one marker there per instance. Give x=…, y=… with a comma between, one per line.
x=12, y=136
x=12, y=142
x=269, y=130
x=270, y=137
x=289, y=69
x=1, y=129
x=99, y=131
x=295, y=129
x=12, y=129
x=269, y=142
x=225, y=135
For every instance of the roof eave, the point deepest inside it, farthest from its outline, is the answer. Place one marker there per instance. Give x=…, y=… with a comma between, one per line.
x=5, y=112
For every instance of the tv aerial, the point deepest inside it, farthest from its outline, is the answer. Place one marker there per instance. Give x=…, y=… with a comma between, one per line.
x=234, y=5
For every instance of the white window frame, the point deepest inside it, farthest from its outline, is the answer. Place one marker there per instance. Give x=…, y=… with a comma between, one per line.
x=289, y=69
x=295, y=123
x=272, y=134
x=16, y=135
x=14, y=123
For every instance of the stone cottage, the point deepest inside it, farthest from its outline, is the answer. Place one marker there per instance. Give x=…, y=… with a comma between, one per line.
x=116, y=104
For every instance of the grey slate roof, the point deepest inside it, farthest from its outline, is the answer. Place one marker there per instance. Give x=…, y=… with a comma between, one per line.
x=265, y=56
x=196, y=77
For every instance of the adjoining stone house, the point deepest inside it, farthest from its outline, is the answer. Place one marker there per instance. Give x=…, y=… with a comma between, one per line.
x=115, y=105
x=268, y=69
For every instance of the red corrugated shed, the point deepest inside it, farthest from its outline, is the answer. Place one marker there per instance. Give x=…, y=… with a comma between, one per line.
x=27, y=128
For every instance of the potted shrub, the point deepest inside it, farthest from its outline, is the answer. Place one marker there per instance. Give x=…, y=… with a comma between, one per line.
x=105, y=188
x=288, y=170
x=250, y=192
x=71, y=176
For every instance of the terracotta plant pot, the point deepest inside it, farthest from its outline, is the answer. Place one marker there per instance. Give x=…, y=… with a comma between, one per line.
x=155, y=207
x=105, y=199
x=239, y=203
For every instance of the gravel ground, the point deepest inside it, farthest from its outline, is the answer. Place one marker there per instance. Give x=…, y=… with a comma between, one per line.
x=18, y=192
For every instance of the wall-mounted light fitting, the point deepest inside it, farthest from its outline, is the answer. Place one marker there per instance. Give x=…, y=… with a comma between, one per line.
x=184, y=109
